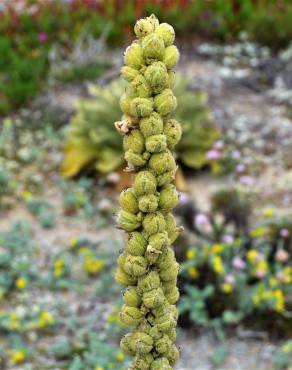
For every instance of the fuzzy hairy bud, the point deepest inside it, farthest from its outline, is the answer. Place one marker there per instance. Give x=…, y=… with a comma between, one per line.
x=136, y=244
x=142, y=362
x=139, y=88
x=156, y=143
x=129, y=73
x=160, y=363
x=167, y=33
x=163, y=344
x=158, y=240
x=128, y=201
x=171, y=56
x=142, y=343
x=148, y=203
x=168, y=197
x=130, y=315
x=165, y=102
x=128, y=221
x=154, y=223
x=172, y=131
x=132, y=297
x=143, y=27
x=153, y=298
x=134, y=141
x=133, y=56
x=145, y=183
x=152, y=48
x=149, y=281
x=134, y=159
x=157, y=77
x=135, y=265
x=162, y=162
x=152, y=125
x=123, y=278
x=141, y=107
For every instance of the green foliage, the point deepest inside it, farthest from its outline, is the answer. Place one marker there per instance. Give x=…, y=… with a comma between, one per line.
x=91, y=139
x=283, y=356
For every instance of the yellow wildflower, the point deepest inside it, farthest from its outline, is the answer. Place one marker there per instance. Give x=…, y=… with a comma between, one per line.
x=17, y=356
x=258, y=232
x=191, y=254
x=120, y=356
x=46, y=319
x=273, y=281
x=217, y=248
x=287, y=275
x=193, y=272
x=287, y=347
x=21, y=283
x=280, y=300
x=252, y=255
x=218, y=265
x=268, y=212
x=14, y=323
x=256, y=298
x=73, y=242
x=59, y=267
x=26, y=195
x=93, y=265
x=84, y=251
x=262, y=266
x=227, y=288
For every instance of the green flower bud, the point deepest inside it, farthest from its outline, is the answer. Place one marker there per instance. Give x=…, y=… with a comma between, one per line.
x=126, y=344
x=149, y=281
x=151, y=255
x=168, y=286
x=128, y=201
x=169, y=274
x=143, y=27
x=160, y=363
x=171, y=80
x=165, y=102
x=156, y=143
x=129, y=73
x=153, y=223
x=134, y=141
x=122, y=259
x=130, y=315
x=152, y=125
x=158, y=240
x=139, y=88
x=142, y=343
x=131, y=297
x=168, y=197
x=155, y=333
x=165, y=322
x=145, y=183
x=157, y=77
x=172, y=355
x=137, y=244
x=123, y=278
x=172, y=131
x=166, y=178
x=153, y=298
x=141, y=107
x=133, y=56
x=148, y=203
x=135, y=265
x=174, y=311
x=125, y=102
x=167, y=33
x=163, y=344
x=171, y=334
x=166, y=259
x=134, y=159
x=144, y=327
x=173, y=296
x=142, y=362
x=171, y=56
x=128, y=221
x=154, y=21
x=152, y=48
x=162, y=162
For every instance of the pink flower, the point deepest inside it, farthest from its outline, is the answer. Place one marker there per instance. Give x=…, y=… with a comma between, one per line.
x=229, y=279
x=261, y=274
x=236, y=154
x=240, y=168
x=113, y=178
x=228, y=239
x=238, y=263
x=246, y=180
x=43, y=37
x=184, y=198
x=201, y=219
x=213, y=155
x=284, y=233
x=280, y=276
x=281, y=255
x=218, y=144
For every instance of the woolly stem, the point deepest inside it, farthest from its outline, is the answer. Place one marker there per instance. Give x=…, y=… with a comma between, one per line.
x=147, y=267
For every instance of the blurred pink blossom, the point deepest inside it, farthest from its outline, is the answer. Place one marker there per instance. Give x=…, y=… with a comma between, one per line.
x=261, y=274
x=213, y=155
x=219, y=144
x=238, y=263
x=201, y=219
x=236, y=154
x=280, y=276
x=284, y=233
x=184, y=198
x=229, y=279
x=228, y=239
x=281, y=255
x=43, y=37
x=246, y=180
x=240, y=168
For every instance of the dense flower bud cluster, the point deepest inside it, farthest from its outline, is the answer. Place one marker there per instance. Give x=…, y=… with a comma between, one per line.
x=147, y=267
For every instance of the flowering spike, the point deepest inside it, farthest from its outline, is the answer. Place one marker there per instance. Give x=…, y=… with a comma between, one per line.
x=148, y=267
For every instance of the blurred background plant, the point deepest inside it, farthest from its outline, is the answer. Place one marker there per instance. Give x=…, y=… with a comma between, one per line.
x=59, y=97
